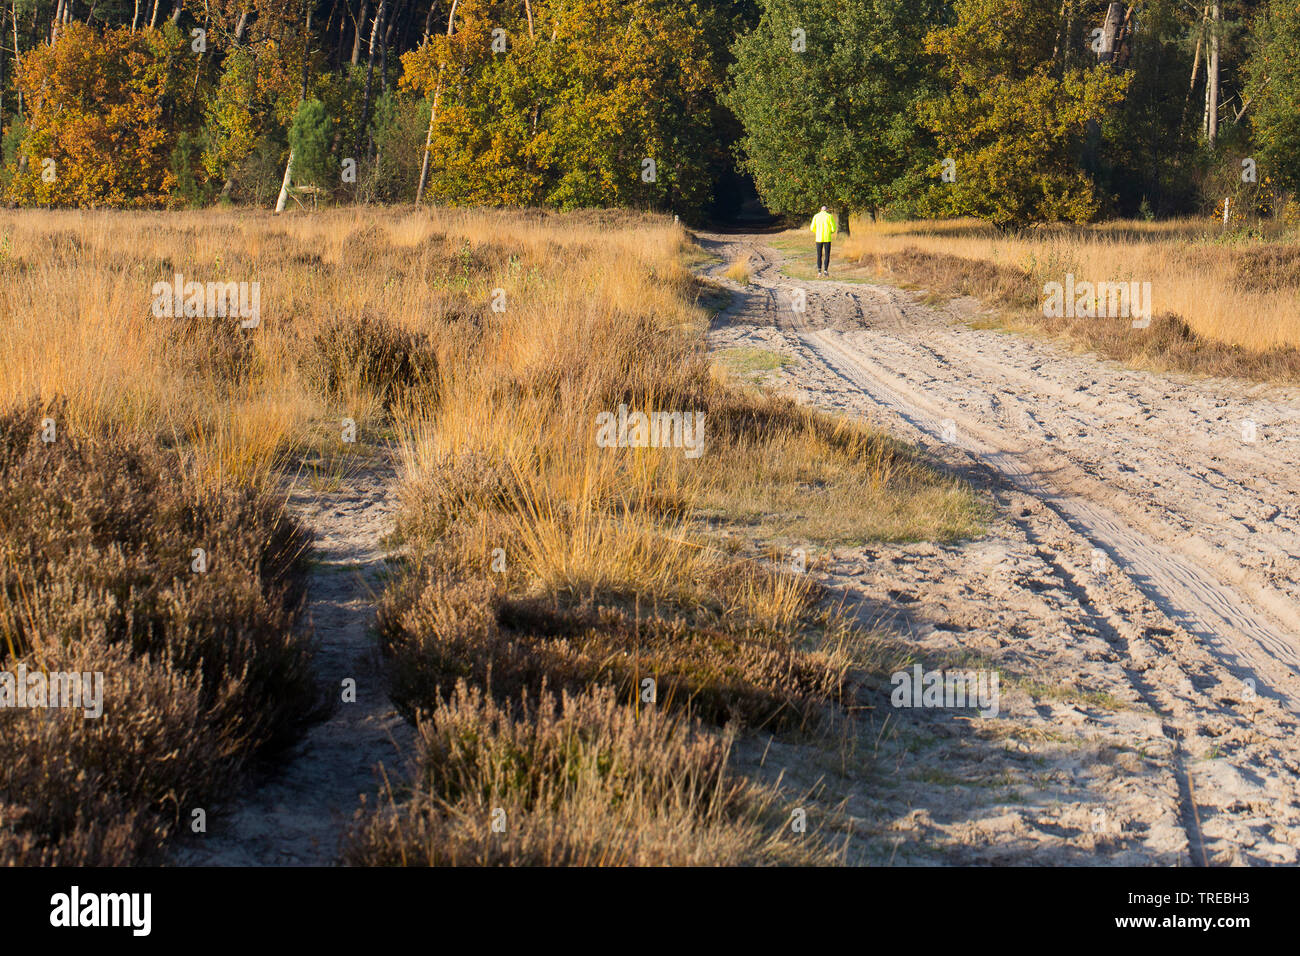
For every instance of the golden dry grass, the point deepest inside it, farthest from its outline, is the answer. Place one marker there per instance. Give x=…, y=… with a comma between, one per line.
x=482, y=345
x=738, y=270
x=1202, y=283
x=75, y=290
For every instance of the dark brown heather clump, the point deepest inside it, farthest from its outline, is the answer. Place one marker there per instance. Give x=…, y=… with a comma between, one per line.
x=574, y=780
x=372, y=353
x=201, y=669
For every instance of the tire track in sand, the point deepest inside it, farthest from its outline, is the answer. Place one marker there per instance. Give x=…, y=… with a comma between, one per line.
x=1256, y=639
x=870, y=351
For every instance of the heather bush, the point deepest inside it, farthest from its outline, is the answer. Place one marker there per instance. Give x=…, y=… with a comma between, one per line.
x=202, y=666
x=574, y=780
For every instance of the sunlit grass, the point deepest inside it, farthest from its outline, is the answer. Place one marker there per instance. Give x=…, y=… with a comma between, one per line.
x=1220, y=287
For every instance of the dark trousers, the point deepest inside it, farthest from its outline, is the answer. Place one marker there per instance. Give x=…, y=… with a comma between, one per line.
x=823, y=254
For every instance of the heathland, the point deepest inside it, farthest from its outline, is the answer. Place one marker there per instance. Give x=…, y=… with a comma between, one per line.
x=572, y=625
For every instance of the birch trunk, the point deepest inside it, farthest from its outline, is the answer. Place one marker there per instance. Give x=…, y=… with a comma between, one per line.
x=433, y=113
x=1212, y=79
x=20, y=92
x=284, y=186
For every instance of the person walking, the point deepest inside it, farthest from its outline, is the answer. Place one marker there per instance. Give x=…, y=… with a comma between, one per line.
x=823, y=230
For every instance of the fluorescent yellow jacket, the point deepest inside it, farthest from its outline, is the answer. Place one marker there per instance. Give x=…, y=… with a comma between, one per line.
x=823, y=227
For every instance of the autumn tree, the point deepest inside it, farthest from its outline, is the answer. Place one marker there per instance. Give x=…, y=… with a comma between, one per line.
x=633, y=122
x=825, y=91
x=589, y=102
x=486, y=93
x=260, y=84
x=103, y=113
x=1014, y=121
x=234, y=116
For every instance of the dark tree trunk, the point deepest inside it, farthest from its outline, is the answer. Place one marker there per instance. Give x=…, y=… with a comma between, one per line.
x=370, y=74
x=384, y=43
x=306, y=51
x=343, y=32
x=356, y=36
x=329, y=26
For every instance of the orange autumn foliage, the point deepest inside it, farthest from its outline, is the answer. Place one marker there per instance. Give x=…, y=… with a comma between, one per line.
x=102, y=116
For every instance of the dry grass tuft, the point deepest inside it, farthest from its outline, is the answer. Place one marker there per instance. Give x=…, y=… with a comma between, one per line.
x=720, y=670
x=356, y=356
x=738, y=270
x=578, y=780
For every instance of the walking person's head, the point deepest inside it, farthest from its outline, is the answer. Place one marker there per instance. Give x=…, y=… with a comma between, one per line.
x=823, y=208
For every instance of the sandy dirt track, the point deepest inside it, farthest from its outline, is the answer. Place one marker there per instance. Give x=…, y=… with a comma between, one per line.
x=1146, y=546
x=296, y=813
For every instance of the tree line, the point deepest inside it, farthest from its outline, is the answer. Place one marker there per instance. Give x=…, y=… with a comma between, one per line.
x=1015, y=111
